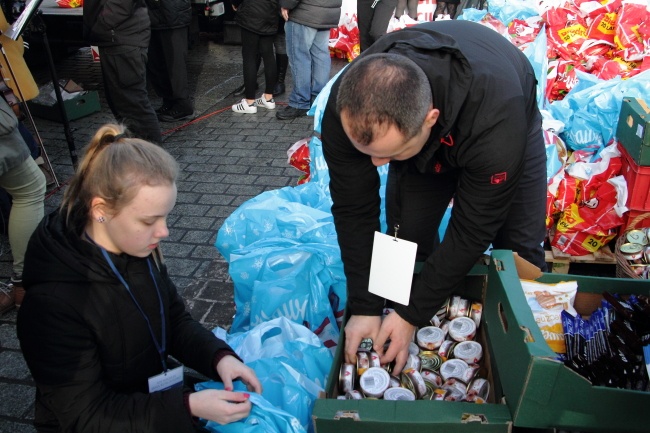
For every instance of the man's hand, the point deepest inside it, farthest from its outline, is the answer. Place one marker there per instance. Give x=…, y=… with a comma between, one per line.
x=400, y=333
x=285, y=13
x=231, y=368
x=222, y=407
x=358, y=328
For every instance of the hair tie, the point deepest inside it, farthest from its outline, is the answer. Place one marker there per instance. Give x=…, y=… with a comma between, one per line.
x=118, y=137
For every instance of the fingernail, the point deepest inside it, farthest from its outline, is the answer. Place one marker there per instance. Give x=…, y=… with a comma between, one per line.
x=228, y=388
x=247, y=395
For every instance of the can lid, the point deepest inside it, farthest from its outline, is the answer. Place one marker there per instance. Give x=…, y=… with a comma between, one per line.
x=637, y=237
x=462, y=328
x=468, y=351
x=453, y=368
x=374, y=381
x=399, y=394
x=631, y=248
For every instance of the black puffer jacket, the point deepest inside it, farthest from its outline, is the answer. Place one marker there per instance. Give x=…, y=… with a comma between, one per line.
x=88, y=346
x=485, y=90
x=169, y=14
x=258, y=16
x=317, y=14
x=116, y=22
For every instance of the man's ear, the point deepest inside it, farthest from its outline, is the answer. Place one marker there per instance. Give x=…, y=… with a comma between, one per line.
x=432, y=117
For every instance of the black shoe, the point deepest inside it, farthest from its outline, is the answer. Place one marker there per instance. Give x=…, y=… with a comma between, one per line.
x=279, y=89
x=166, y=106
x=175, y=115
x=290, y=113
x=239, y=91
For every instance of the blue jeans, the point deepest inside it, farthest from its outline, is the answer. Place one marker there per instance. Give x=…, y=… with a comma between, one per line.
x=309, y=59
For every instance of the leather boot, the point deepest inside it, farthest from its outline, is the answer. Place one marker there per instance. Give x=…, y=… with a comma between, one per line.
x=282, y=62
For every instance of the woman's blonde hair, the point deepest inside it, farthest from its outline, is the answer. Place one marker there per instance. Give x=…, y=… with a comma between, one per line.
x=113, y=168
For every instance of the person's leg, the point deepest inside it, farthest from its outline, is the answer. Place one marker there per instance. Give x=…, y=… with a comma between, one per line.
x=365, y=13
x=321, y=62
x=412, y=6
x=417, y=202
x=270, y=68
x=383, y=11
x=125, y=82
x=299, y=41
x=176, y=68
x=525, y=227
x=399, y=9
x=441, y=7
x=281, y=60
x=250, y=54
x=26, y=184
x=157, y=75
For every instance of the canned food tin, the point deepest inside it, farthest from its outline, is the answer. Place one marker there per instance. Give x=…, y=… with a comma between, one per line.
x=414, y=362
x=453, y=368
x=463, y=308
x=432, y=377
x=394, y=382
x=399, y=394
x=346, y=378
x=446, y=349
x=365, y=345
x=413, y=348
x=462, y=329
x=636, y=237
x=454, y=395
x=439, y=394
x=412, y=379
x=452, y=312
x=445, y=326
x=475, y=312
x=430, y=337
x=471, y=372
x=455, y=384
x=354, y=395
x=374, y=382
x=469, y=351
x=631, y=251
x=646, y=254
x=363, y=362
x=430, y=360
x=435, y=320
x=374, y=359
x=478, y=388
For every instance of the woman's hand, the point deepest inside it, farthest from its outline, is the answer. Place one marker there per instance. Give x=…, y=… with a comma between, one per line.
x=230, y=368
x=219, y=406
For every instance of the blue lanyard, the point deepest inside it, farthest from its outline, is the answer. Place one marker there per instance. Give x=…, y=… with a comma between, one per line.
x=160, y=347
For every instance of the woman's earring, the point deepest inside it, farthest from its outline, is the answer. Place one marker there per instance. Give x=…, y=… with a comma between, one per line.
x=101, y=219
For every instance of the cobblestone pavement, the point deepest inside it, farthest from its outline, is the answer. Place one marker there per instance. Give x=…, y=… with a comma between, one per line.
x=225, y=159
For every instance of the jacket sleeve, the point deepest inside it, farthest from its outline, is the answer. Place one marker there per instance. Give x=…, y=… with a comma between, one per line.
x=65, y=362
x=354, y=187
x=489, y=176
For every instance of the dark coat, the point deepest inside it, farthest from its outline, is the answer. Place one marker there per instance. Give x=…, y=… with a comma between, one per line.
x=88, y=346
x=485, y=90
x=317, y=14
x=116, y=22
x=169, y=14
x=258, y=16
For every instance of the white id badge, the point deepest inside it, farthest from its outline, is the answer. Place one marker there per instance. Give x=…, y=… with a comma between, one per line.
x=166, y=380
x=391, y=269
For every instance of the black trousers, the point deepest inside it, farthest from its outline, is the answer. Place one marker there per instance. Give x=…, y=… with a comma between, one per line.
x=417, y=202
x=167, y=67
x=373, y=22
x=124, y=69
x=254, y=46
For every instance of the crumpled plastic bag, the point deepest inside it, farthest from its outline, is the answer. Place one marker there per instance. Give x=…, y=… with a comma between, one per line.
x=292, y=365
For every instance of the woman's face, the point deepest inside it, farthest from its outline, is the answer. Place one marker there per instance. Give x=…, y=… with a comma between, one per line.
x=139, y=227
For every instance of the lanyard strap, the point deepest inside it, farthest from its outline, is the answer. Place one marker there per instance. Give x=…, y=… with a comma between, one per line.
x=160, y=347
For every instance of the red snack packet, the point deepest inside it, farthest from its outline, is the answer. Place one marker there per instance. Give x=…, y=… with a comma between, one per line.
x=298, y=155
x=523, y=32
x=70, y=3
x=494, y=23
x=628, y=39
x=566, y=30
x=603, y=27
x=561, y=78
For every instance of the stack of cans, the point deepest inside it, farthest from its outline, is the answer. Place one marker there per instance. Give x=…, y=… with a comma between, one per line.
x=444, y=362
x=636, y=250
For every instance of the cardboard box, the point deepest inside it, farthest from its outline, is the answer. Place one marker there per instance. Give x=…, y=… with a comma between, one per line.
x=356, y=416
x=540, y=391
x=84, y=104
x=633, y=130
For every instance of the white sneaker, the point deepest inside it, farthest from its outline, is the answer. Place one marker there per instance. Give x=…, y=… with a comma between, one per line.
x=262, y=102
x=243, y=107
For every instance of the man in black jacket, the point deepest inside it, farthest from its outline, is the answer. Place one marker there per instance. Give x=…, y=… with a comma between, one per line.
x=452, y=106
x=167, y=65
x=121, y=30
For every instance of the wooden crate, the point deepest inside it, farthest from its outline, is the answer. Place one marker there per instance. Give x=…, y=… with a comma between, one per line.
x=560, y=262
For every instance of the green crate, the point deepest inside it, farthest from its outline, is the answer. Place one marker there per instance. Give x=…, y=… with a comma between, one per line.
x=633, y=129
x=377, y=416
x=80, y=106
x=540, y=391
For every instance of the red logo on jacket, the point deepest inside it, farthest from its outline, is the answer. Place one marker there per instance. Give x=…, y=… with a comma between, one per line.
x=498, y=178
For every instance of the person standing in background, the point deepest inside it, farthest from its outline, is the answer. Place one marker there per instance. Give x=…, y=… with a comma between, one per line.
x=307, y=28
x=281, y=58
x=122, y=29
x=167, y=65
x=373, y=17
x=258, y=20
x=446, y=10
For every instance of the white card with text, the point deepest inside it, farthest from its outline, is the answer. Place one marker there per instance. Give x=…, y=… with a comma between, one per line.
x=391, y=269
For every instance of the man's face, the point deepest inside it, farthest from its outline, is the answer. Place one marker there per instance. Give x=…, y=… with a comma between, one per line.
x=389, y=143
